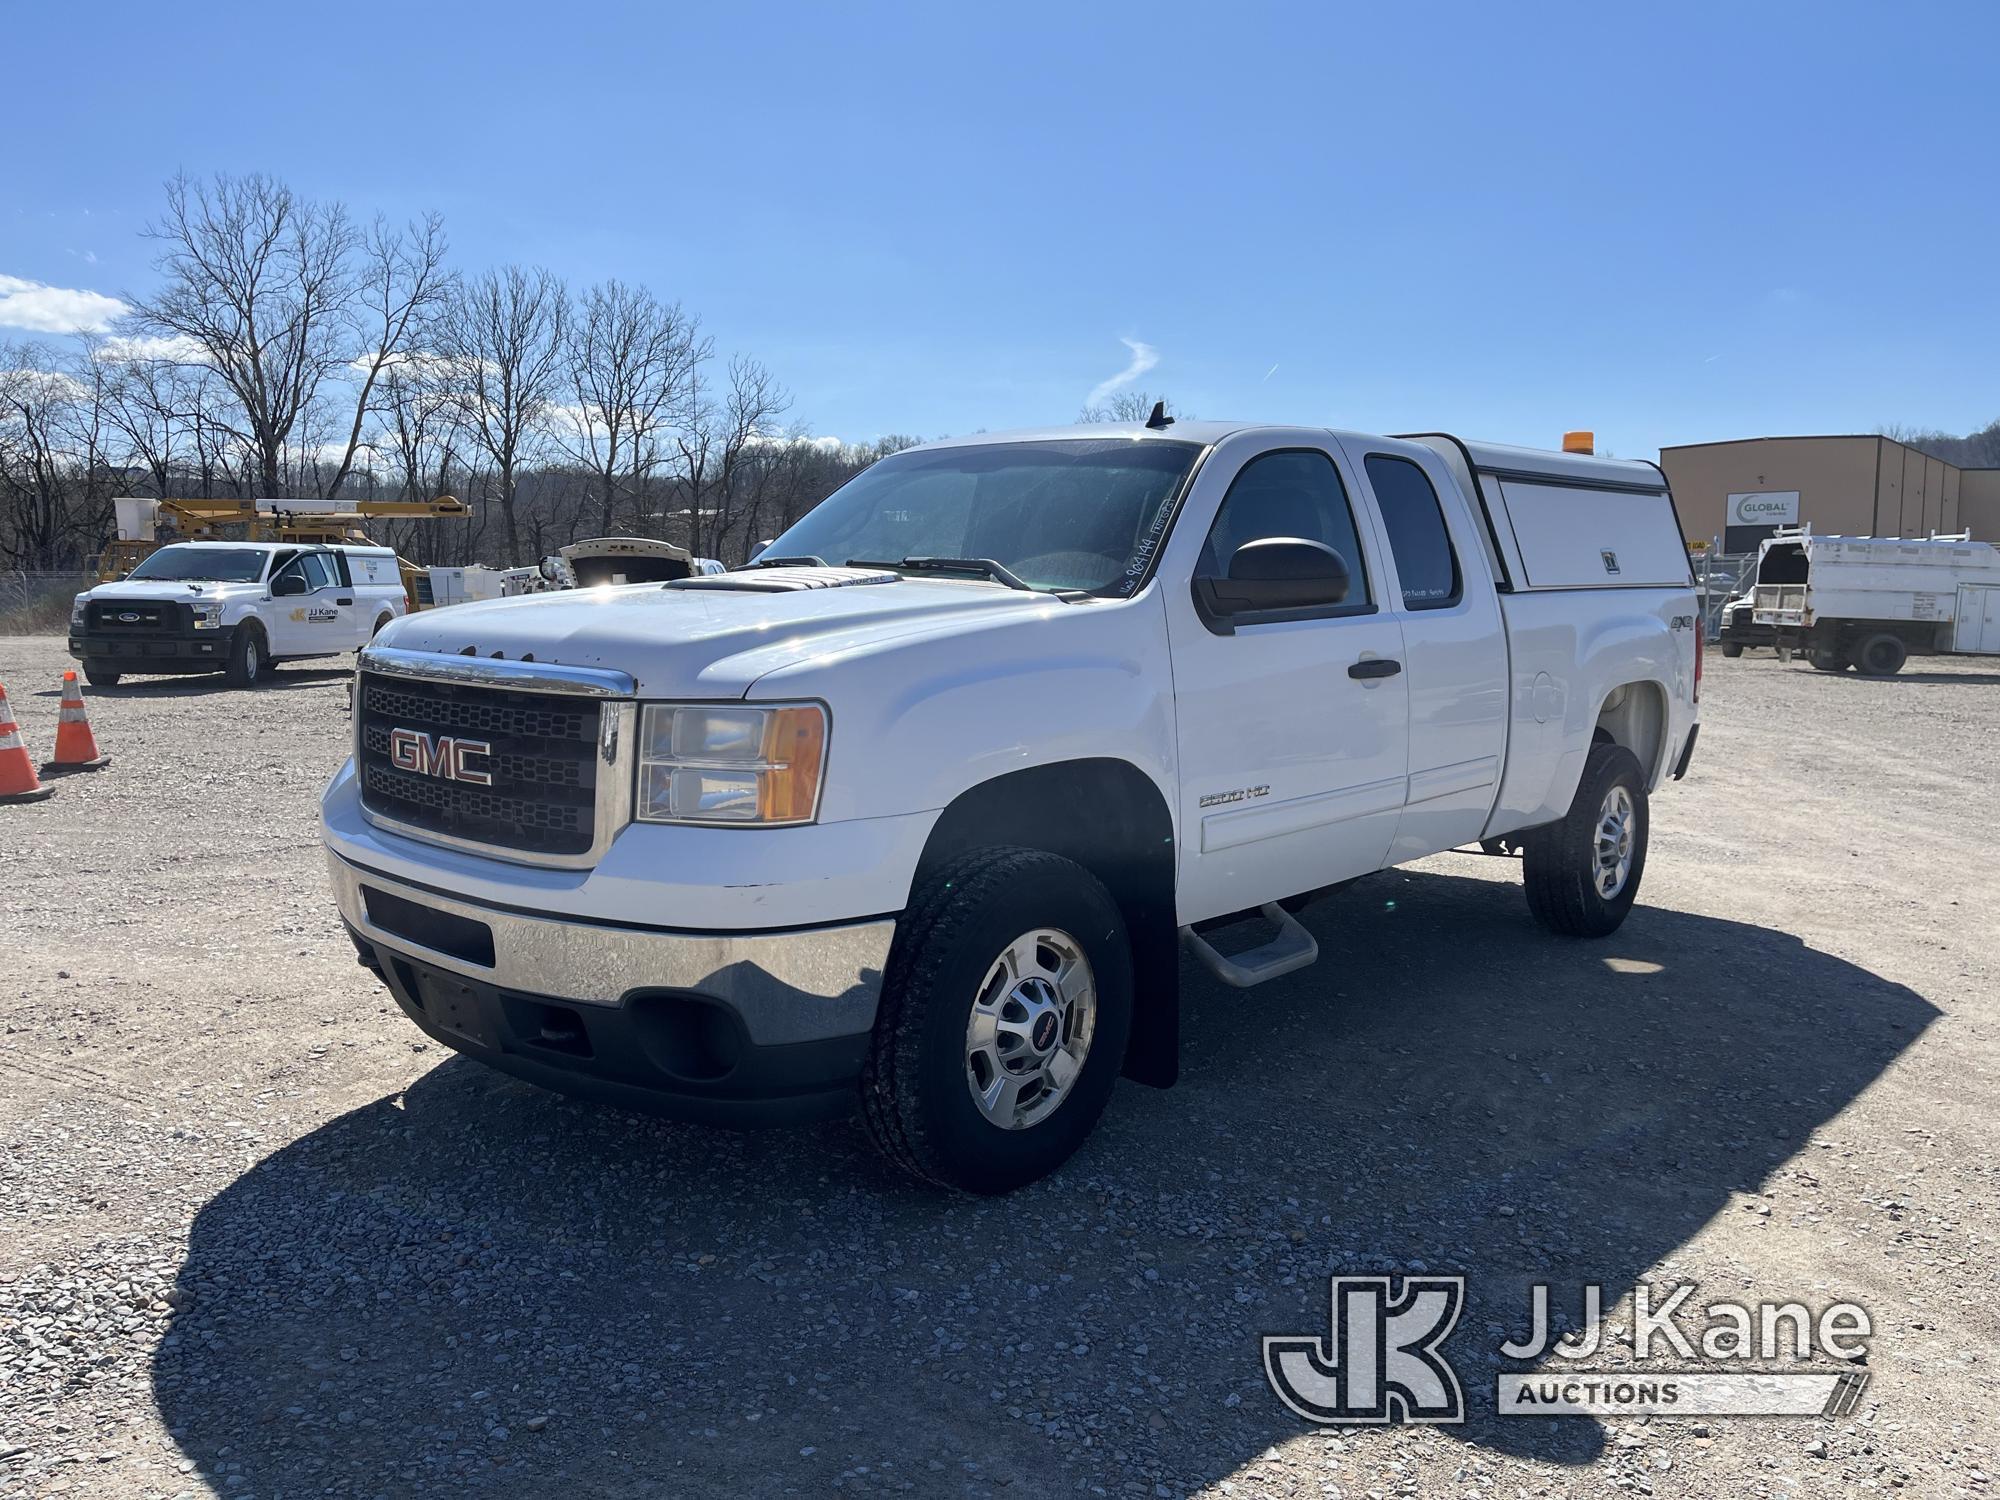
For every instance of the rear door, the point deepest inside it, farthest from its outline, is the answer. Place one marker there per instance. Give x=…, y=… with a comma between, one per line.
x=1293, y=733
x=1454, y=646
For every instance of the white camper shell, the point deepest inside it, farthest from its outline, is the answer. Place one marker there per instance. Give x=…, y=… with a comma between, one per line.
x=1873, y=602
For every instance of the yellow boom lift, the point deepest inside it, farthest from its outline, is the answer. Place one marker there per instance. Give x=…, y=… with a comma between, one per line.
x=145, y=526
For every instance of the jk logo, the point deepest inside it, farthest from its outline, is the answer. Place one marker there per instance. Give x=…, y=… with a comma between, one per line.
x=1380, y=1360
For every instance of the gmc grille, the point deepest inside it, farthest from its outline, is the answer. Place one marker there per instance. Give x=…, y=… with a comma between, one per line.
x=544, y=763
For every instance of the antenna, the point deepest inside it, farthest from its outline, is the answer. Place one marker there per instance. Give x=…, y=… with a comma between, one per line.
x=1159, y=418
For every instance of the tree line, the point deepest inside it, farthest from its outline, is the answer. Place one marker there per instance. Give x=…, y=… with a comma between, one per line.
x=289, y=350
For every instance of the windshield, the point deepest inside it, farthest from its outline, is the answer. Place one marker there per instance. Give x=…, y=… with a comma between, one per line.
x=1083, y=514
x=204, y=564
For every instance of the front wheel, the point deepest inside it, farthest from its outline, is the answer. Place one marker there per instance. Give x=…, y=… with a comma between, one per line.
x=1003, y=1021
x=97, y=677
x=1732, y=649
x=1582, y=874
x=248, y=662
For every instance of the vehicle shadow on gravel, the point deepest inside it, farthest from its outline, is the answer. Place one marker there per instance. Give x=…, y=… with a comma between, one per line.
x=479, y=1285
x=201, y=684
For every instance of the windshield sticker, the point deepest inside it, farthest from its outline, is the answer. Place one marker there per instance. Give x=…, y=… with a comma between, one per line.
x=1142, y=556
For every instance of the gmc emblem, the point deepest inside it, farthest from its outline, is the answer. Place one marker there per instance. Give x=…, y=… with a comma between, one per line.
x=438, y=755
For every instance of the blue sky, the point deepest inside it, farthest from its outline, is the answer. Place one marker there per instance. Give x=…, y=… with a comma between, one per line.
x=1670, y=223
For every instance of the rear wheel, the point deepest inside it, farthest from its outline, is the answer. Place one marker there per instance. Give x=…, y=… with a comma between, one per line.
x=1582, y=874
x=1881, y=655
x=249, y=662
x=1828, y=659
x=1003, y=1021
x=97, y=677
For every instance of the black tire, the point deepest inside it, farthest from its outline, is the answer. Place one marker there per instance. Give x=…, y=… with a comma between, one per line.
x=379, y=623
x=1881, y=655
x=1828, y=660
x=916, y=1096
x=97, y=677
x=249, y=656
x=1559, y=862
x=1732, y=649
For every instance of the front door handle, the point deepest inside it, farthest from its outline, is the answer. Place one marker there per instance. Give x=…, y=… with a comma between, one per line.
x=1375, y=666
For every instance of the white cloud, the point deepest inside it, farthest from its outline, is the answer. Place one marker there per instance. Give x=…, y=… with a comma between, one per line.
x=179, y=349
x=825, y=442
x=1144, y=357
x=54, y=309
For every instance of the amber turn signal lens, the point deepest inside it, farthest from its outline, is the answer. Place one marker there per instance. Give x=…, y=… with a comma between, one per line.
x=794, y=747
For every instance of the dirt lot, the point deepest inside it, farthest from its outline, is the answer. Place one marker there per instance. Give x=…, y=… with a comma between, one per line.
x=258, y=1237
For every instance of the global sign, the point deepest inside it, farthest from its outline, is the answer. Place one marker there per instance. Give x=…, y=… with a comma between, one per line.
x=1764, y=508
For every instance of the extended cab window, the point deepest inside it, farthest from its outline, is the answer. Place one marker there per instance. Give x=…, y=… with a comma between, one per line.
x=1295, y=493
x=1425, y=563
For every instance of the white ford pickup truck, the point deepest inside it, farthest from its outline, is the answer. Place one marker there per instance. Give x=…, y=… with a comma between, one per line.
x=234, y=607
x=921, y=808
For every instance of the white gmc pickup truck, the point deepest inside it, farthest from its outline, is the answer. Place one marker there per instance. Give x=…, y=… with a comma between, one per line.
x=920, y=809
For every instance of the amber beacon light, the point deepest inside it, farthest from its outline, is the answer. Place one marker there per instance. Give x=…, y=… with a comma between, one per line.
x=1579, y=442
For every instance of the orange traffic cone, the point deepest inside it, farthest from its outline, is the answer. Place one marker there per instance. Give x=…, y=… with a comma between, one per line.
x=76, y=746
x=18, y=782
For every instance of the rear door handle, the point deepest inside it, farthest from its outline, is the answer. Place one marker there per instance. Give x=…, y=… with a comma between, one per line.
x=1375, y=666
x=343, y=601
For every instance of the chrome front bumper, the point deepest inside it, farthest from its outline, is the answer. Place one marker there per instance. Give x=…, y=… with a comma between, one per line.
x=799, y=986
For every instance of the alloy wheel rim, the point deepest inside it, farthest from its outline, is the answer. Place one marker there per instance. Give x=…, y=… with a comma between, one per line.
x=1613, y=843
x=1030, y=1029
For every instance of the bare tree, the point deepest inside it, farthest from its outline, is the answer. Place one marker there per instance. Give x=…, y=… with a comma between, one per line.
x=1126, y=406
x=401, y=284
x=258, y=287
x=504, y=335
x=52, y=478
x=631, y=363
x=714, y=440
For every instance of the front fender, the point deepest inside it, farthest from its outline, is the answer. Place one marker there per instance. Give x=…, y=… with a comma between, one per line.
x=915, y=723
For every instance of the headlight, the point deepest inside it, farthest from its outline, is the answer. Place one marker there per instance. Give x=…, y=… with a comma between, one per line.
x=76, y=611
x=207, y=616
x=726, y=763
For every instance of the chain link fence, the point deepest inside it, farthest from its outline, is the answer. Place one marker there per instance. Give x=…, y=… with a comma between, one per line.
x=38, y=603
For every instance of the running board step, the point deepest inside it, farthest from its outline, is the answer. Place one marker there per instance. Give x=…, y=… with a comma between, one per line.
x=1293, y=948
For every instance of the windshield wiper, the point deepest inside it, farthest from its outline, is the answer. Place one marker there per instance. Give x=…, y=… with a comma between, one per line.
x=993, y=570
x=805, y=560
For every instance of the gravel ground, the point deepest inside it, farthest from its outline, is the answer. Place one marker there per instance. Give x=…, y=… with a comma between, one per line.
x=257, y=1237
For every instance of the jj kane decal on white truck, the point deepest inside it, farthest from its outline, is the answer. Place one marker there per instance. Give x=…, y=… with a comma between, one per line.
x=921, y=809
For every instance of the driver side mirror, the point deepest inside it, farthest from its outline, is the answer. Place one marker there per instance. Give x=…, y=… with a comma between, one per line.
x=1277, y=577
x=287, y=584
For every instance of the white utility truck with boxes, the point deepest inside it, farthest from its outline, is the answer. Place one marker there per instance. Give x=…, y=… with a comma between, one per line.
x=233, y=607
x=920, y=810
x=1871, y=602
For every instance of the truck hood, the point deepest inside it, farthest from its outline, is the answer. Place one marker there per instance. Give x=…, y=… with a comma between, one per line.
x=165, y=588
x=709, y=642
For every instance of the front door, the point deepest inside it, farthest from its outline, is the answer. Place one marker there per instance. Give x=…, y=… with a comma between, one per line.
x=1293, y=733
x=317, y=622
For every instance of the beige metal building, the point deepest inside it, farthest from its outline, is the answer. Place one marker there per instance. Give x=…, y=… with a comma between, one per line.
x=1736, y=493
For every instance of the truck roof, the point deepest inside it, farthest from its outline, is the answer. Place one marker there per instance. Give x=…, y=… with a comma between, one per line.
x=1500, y=458
x=274, y=546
